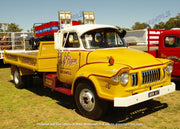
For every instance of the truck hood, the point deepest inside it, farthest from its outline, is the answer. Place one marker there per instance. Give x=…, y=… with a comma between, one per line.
x=125, y=56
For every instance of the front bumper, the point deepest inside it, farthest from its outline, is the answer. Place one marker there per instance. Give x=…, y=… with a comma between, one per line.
x=138, y=98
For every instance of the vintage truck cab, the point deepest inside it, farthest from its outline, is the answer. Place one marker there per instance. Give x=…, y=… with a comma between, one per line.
x=169, y=48
x=97, y=64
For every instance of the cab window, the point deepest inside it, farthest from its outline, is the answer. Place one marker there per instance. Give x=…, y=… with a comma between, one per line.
x=71, y=40
x=102, y=38
x=172, y=41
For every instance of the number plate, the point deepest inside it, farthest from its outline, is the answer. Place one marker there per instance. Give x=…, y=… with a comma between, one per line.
x=153, y=93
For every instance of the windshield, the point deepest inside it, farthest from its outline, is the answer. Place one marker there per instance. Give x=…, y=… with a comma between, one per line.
x=102, y=38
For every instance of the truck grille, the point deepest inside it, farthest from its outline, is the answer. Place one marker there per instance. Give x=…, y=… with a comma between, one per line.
x=150, y=76
x=134, y=79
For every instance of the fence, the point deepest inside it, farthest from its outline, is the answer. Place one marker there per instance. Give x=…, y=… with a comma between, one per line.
x=15, y=42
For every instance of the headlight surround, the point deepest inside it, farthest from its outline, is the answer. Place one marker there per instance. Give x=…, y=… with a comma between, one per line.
x=169, y=69
x=124, y=78
x=116, y=79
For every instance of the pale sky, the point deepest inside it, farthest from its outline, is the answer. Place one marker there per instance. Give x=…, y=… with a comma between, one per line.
x=123, y=13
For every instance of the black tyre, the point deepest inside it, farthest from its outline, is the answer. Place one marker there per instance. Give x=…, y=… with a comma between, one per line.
x=88, y=103
x=17, y=79
x=21, y=81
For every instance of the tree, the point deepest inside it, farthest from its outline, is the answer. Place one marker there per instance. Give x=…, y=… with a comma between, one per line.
x=173, y=22
x=161, y=25
x=12, y=27
x=139, y=25
x=127, y=29
x=1, y=28
x=80, y=21
x=170, y=23
x=177, y=20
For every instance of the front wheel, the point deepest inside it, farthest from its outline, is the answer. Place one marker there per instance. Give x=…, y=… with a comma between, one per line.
x=88, y=103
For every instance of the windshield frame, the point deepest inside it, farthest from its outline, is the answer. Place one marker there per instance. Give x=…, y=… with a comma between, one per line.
x=101, y=34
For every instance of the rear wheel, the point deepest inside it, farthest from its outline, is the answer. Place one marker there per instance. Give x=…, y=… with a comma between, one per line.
x=88, y=103
x=18, y=79
x=21, y=81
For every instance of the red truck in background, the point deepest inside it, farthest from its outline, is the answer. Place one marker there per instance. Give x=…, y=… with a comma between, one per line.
x=50, y=28
x=158, y=42
x=46, y=29
x=169, y=48
x=45, y=32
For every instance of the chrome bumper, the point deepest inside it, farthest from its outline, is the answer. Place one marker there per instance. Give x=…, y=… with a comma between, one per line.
x=138, y=98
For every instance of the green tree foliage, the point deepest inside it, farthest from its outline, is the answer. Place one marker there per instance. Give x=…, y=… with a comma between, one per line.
x=139, y=25
x=1, y=30
x=161, y=25
x=127, y=29
x=80, y=21
x=173, y=22
x=12, y=27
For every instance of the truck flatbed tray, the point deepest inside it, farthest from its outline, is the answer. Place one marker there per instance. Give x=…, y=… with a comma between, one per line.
x=44, y=60
x=29, y=53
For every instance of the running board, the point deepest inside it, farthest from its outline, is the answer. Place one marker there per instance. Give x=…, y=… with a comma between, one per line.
x=51, y=81
x=63, y=90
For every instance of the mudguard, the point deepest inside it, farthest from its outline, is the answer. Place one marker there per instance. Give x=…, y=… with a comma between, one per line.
x=100, y=74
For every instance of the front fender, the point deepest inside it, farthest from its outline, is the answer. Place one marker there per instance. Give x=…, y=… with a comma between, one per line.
x=99, y=74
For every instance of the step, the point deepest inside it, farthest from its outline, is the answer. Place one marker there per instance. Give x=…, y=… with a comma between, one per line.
x=63, y=90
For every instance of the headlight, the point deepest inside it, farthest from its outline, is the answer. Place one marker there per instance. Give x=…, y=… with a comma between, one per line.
x=169, y=69
x=124, y=78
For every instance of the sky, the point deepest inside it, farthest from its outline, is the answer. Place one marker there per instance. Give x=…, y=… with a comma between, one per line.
x=123, y=13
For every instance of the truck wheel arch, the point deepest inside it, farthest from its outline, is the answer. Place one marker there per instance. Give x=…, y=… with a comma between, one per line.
x=12, y=70
x=80, y=80
x=20, y=79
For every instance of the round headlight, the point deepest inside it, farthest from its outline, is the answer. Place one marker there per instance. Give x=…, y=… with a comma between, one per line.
x=124, y=78
x=169, y=69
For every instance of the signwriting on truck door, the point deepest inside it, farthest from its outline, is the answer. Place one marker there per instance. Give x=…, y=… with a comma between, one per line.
x=69, y=57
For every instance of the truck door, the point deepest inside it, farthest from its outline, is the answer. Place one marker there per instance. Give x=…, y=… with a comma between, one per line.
x=170, y=49
x=69, y=58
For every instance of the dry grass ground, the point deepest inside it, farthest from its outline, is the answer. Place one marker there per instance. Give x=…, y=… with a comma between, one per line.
x=38, y=107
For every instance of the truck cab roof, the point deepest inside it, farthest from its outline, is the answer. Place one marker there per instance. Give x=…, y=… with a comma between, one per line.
x=81, y=29
x=170, y=32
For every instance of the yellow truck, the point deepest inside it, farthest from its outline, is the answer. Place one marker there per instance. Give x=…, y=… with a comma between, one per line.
x=93, y=63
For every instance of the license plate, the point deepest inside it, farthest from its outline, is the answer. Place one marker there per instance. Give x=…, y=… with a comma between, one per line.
x=153, y=93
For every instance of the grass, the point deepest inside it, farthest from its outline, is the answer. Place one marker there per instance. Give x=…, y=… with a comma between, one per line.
x=38, y=107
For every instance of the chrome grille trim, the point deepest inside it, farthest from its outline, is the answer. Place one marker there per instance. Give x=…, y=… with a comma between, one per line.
x=150, y=76
x=134, y=79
